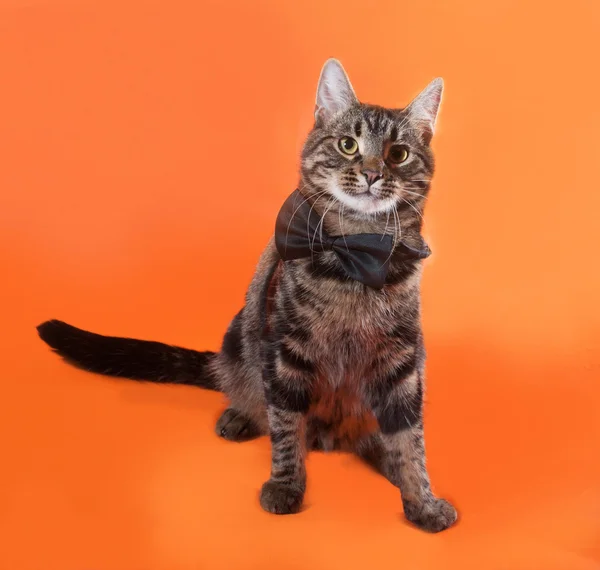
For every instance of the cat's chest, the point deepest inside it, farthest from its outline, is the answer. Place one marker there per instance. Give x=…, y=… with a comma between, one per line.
x=349, y=320
x=346, y=332
x=345, y=324
x=346, y=311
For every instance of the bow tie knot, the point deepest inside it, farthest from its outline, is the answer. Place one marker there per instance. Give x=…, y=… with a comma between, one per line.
x=326, y=243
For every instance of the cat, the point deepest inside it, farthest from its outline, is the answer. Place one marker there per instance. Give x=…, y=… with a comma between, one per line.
x=317, y=359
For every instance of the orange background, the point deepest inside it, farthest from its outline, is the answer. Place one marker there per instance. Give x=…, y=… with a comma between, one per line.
x=145, y=148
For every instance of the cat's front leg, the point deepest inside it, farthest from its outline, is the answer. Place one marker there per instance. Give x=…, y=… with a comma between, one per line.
x=288, y=380
x=398, y=401
x=283, y=493
x=405, y=461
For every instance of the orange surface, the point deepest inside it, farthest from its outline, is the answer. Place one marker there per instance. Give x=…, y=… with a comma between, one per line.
x=142, y=142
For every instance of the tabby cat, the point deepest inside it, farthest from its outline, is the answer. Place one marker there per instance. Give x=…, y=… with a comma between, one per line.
x=317, y=358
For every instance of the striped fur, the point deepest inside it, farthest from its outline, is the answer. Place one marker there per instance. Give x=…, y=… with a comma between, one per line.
x=314, y=359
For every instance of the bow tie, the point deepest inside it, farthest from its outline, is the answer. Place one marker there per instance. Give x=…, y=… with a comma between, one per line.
x=366, y=258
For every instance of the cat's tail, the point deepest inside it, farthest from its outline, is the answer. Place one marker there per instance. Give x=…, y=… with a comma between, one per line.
x=127, y=357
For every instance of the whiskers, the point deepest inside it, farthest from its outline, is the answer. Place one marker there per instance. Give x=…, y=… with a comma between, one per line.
x=387, y=223
x=319, y=227
x=403, y=190
x=316, y=196
x=396, y=236
x=341, y=219
x=420, y=214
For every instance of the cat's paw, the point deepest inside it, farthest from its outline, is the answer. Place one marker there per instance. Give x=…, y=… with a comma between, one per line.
x=433, y=516
x=236, y=426
x=280, y=498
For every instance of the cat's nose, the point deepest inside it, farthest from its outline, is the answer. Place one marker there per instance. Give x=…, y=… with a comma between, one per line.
x=371, y=175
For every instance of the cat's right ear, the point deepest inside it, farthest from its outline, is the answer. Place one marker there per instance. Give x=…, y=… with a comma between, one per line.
x=334, y=93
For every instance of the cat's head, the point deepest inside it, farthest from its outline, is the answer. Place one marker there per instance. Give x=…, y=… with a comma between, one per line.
x=370, y=159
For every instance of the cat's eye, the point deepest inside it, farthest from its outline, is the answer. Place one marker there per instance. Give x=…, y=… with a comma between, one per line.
x=398, y=153
x=348, y=145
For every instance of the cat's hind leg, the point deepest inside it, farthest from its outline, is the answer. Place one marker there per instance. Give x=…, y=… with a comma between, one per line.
x=235, y=425
x=240, y=379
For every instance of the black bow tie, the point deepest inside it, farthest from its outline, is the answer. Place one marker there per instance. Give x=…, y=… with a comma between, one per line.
x=366, y=258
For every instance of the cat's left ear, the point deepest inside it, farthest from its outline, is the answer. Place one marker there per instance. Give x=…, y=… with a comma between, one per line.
x=334, y=93
x=424, y=108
